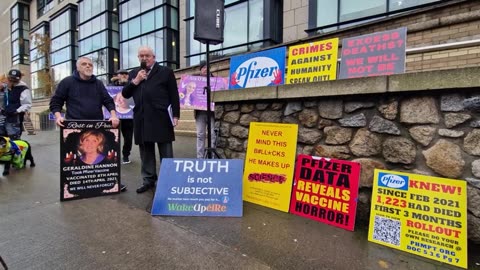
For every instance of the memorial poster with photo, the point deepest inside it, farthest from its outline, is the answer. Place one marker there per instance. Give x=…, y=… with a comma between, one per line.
x=89, y=159
x=192, y=91
x=123, y=107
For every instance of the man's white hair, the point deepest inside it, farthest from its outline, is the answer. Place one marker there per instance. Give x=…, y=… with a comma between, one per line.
x=83, y=57
x=146, y=48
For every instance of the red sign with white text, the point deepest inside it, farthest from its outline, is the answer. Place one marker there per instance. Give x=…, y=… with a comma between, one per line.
x=326, y=190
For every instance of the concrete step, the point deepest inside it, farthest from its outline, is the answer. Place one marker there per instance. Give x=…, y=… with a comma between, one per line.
x=186, y=125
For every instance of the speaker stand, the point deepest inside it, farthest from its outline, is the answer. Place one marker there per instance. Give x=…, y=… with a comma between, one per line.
x=210, y=152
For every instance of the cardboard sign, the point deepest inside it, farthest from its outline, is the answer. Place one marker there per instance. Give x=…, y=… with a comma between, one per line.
x=123, y=107
x=199, y=187
x=89, y=159
x=264, y=68
x=419, y=214
x=326, y=190
x=381, y=53
x=269, y=164
x=192, y=91
x=313, y=62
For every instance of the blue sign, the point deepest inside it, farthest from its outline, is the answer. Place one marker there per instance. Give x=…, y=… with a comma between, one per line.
x=199, y=187
x=395, y=181
x=265, y=68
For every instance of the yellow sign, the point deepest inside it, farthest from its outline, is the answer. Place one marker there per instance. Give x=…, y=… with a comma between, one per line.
x=419, y=214
x=269, y=164
x=313, y=62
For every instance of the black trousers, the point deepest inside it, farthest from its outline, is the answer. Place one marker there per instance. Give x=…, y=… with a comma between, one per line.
x=126, y=127
x=149, y=162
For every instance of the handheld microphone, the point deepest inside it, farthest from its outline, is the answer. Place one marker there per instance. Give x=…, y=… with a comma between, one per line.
x=143, y=65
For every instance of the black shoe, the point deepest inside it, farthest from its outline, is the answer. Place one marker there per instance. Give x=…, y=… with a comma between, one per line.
x=123, y=188
x=125, y=160
x=143, y=188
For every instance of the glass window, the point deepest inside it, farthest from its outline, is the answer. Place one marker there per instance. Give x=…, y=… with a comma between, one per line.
x=327, y=11
x=60, y=24
x=15, y=47
x=15, y=25
x=159, y=18
x=124, y=55
x=25, y=24
x=61, y=56
x=60, y=42
x=174, y=18
x=61, y=71
x=15, y=34
x=34, y=80
x=124, y=11
x=255, y=28
x=191, y=8
x=124, y=28
x=14, y=13
x=235, y=33
x=401, y=4
x=134, y=27
x=353, y=9
x=133, y=46
x=148, y=22
x=37, y=64
x=81, y=12
x=133, y=8
x=114, y=22
x=115, y=40
x=159, y=51
x=147, y=4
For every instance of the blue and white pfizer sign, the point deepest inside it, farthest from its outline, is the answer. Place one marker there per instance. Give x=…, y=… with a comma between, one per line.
x=391, y=180
x=263, y=68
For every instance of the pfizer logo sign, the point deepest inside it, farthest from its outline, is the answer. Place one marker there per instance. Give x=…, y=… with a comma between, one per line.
x=393, y=181
x=255, y=72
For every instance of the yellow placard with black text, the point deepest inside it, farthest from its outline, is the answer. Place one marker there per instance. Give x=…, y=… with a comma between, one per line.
x=269, y=164
x=420, y=214
x=313, y=62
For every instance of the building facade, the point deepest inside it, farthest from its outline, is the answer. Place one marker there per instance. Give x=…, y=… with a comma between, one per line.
x=47, y=36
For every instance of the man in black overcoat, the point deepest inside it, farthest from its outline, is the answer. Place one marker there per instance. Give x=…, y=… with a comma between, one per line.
x=154, y=90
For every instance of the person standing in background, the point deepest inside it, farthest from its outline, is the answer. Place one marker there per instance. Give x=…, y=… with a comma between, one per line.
x=17, y=100
x=154, y=90
x=126, y=125
x=201, y=121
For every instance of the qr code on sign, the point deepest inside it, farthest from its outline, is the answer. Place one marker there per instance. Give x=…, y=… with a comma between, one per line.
x=387, y=230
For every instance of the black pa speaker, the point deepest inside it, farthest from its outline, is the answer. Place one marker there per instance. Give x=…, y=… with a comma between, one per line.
x=209, y=21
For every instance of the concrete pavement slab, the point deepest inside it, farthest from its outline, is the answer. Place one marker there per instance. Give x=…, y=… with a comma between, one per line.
x=37, y=231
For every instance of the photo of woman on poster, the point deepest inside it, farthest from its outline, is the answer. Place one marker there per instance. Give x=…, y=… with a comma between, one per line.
x=122, y=105
x=187, y=96
x=91, y=144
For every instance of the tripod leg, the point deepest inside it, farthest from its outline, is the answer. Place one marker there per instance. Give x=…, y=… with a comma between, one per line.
x=3, y=263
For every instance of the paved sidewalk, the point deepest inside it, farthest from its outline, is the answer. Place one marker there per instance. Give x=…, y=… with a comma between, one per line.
x=37, y=231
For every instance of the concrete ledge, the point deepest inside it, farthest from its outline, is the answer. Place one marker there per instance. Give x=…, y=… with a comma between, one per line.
x=420, y=81
x=334, y=88
x=256, y=93
x=435, y=80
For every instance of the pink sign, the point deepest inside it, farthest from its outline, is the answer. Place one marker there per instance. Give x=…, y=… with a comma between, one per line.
x=192, y=91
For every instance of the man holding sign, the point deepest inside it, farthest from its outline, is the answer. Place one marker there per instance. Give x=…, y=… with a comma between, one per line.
x=84, y=96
